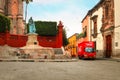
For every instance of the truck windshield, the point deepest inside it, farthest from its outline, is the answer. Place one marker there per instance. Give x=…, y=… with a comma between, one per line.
x=89, y=49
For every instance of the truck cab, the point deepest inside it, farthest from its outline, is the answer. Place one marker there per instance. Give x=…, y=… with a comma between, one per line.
x=86, y=50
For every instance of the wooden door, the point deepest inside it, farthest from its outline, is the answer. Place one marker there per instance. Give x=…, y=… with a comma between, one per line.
x=108, y=46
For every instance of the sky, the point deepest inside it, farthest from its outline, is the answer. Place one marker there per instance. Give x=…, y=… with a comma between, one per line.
x=70, y=12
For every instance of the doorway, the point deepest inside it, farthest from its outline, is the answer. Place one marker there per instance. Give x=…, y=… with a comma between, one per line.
x=108, y=51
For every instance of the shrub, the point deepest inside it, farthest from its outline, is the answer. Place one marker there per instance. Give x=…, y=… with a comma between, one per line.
x=4, y=23
x=45, y=28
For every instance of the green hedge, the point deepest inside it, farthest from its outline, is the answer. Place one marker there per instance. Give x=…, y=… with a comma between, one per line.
x=45, y=28
x=4, y=23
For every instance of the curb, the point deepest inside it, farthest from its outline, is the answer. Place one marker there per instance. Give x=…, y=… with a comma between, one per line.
x=109, y=59
x=114, y=59
x=38, y=60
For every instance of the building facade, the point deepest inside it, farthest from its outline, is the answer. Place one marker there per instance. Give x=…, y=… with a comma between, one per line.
x=95, y=26
x=72, y=46
x=116, y=46
x=85, y=28
x=14, y=10
x=105, y=26
x=85, y=35
x=91, y=24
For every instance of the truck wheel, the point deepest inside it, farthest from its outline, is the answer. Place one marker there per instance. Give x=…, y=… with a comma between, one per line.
x=93, y=58
x=83, y=58
x=79, y=57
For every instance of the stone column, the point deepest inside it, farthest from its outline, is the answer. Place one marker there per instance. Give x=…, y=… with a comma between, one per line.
x=9, y=13
x=20, y=26
x=9, y=8
x=20, y=8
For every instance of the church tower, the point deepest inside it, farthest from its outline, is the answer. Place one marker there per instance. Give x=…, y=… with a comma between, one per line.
x=14, y=10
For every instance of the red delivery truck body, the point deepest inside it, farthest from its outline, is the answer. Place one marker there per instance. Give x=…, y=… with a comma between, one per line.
x=87, y=50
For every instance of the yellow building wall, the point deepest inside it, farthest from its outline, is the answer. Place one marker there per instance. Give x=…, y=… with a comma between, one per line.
x=72, y=45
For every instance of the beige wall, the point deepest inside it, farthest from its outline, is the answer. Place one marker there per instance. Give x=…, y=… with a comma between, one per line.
x=99, y=39
x=117, y=25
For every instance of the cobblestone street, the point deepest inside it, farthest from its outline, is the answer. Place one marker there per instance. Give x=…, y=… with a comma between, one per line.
x=78, y=70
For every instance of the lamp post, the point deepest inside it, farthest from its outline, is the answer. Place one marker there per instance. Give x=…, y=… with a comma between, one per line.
x=27, y=2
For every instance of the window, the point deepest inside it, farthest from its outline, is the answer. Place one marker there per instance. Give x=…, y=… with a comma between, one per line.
x=106, y=11
x=89, y=49
x=85, y=31
x=116, y=44
x=95, y=27
x=94, y=18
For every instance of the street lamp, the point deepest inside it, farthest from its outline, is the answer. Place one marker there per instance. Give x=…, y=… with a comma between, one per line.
x=27, y=2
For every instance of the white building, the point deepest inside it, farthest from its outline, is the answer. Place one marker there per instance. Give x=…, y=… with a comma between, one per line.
x=96, y=24
x=117, y=27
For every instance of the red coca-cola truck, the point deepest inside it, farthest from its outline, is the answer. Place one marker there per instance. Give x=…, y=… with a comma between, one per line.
x=86, y=50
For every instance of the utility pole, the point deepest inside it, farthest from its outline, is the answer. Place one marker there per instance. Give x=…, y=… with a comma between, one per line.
x=27, y=2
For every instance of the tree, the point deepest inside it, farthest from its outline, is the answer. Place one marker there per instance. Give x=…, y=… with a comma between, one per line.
x=27, y=2
x=4, y=23
x=65, y=40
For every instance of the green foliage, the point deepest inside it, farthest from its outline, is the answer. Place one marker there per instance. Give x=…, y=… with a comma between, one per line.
x=84, y=34
x=65, y=40
x=44, y=28
x=81, y=35
x=4, y=23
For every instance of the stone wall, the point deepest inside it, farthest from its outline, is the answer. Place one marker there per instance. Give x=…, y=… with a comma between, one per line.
x=8, y=52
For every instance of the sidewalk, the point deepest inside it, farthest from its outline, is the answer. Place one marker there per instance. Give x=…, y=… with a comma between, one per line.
x=38, y=60
x=115, y=59
x=110, y=59
x=55, y=60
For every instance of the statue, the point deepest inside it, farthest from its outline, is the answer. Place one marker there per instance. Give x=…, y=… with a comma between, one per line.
x=32, y=28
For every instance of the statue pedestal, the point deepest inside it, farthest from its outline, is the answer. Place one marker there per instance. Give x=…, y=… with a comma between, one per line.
x=32, y=39
x=34, y=50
